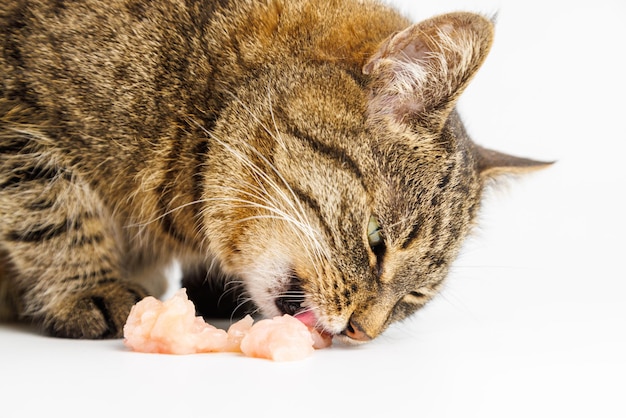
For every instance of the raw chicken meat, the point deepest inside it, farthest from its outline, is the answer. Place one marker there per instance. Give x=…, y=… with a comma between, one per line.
x=282, y=338
x=171, y=327
x=321, y=339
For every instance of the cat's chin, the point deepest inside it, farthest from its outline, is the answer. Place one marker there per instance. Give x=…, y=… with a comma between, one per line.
x=309, y=319
x=344, y=339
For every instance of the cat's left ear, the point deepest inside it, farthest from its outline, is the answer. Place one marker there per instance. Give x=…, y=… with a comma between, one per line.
x=418, y=74
x=492, y=163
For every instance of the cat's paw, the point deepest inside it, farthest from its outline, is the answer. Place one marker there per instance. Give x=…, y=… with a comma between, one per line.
x=94, y=313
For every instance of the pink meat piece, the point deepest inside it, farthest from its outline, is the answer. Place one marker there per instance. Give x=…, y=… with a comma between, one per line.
x=321, y=339
x=236, y=333
x=171, y=327
x=283, y=338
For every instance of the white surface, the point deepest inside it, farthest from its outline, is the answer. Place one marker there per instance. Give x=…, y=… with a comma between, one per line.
x=531, y=323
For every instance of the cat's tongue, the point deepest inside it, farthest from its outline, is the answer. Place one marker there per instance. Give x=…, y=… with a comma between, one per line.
x=321, y=339
x=307, y=318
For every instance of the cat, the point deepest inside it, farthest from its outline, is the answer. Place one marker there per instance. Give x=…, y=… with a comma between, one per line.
x=293, y=155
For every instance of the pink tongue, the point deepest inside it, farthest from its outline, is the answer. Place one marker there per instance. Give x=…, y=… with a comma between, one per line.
x=307, y=318
x=321, y=339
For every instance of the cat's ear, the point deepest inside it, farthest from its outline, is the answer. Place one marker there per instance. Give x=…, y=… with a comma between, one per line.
x=492, y=163
x=418, y=74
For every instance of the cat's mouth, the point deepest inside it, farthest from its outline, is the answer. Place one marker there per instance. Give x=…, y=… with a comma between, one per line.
x=291, y=296
x=292, y=305
x=291, y=302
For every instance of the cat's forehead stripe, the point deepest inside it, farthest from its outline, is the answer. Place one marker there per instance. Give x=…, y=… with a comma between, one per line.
x=344, y=161
x=314, y=205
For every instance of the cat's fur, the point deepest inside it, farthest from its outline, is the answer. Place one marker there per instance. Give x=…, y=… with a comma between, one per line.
x=252, y=140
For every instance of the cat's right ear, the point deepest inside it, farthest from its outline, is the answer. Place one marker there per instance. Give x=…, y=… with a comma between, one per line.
x=418, y=74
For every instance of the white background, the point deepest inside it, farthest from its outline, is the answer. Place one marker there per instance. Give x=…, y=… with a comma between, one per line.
x=532, y=322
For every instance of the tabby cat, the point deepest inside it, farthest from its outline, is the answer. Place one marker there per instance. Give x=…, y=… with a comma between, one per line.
x=293, y=155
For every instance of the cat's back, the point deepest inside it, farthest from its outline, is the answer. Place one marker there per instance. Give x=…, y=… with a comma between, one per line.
x=93, y=47
x=134, y=71
x=116, y=65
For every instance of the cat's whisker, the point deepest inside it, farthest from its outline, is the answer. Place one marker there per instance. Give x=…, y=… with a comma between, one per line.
x=242, y=303
x=274, y=135
x=274, y=212
x=279, y=139
x=165, y=214
x=302, y=223
x=299, y=211
x=233, y=286
x=242, y=203
x=306, y=227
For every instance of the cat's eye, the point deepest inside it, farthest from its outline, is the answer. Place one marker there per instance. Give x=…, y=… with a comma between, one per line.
x=374, y=232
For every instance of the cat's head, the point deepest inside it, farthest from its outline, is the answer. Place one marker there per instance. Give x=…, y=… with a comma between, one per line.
x=350, y=199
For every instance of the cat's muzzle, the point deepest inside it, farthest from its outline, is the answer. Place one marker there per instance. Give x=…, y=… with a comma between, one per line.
x=290, y=301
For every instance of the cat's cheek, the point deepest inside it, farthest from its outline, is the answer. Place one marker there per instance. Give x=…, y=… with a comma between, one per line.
x=262, y=297
x=264, y=281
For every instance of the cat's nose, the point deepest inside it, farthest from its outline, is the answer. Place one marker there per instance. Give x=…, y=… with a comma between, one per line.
x=355, y=331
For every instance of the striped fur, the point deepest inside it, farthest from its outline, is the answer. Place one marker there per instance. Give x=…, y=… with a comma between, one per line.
x=252, y=140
